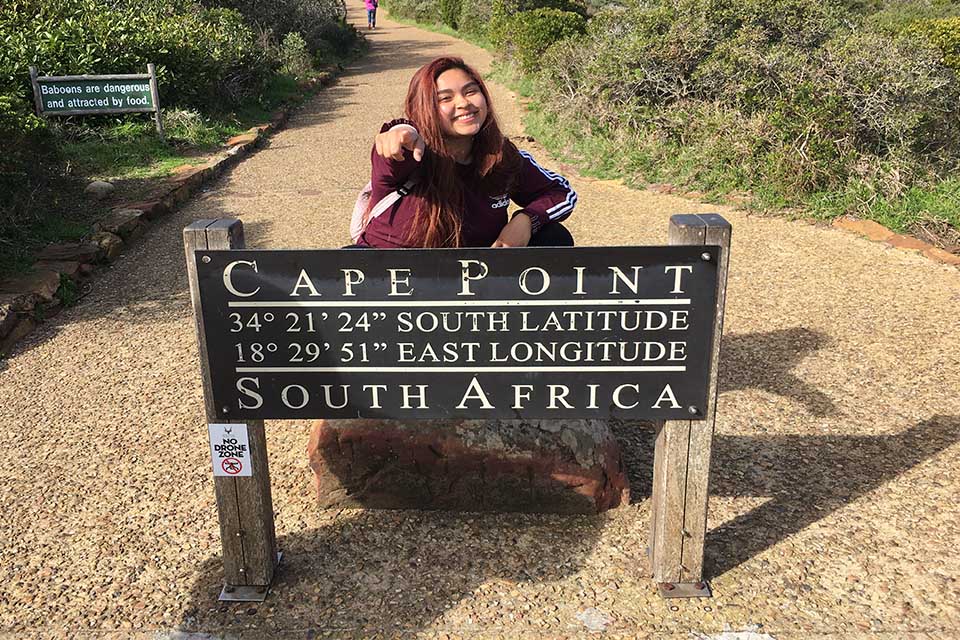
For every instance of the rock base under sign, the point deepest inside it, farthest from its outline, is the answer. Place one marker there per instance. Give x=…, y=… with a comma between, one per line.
x=546, y=466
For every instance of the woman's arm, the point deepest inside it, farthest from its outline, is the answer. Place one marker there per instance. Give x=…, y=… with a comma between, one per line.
x=396, y=154
x=544, y=195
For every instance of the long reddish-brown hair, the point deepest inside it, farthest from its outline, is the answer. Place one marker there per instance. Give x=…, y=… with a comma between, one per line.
x=438, y=221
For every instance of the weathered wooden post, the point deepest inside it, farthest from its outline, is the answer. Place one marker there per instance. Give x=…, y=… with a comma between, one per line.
x=155, y=95
x=681, y=466
x=244, y=504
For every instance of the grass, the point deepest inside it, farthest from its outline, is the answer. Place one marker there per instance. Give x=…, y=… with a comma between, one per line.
x=129, y=148
x=123, y=149
x=446, y=30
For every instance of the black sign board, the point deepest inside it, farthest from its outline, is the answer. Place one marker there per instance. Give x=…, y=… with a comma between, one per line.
x=469, y=333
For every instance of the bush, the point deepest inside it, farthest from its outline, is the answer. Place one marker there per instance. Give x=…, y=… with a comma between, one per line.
x=530, y=33
x=321, y=23
x=786, y=97
x=474, y=18
x=502, y=11
x=943, y=34
x=294, y=57
x=425, y=11
x=450, y=12
x=204, y=57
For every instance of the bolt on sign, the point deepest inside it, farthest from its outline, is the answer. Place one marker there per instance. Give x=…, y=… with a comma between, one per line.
x=89, y=94
x=499, y=333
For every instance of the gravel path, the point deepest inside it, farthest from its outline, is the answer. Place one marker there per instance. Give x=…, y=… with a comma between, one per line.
x=836, y=465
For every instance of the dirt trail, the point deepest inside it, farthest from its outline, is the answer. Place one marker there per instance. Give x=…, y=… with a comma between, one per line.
x=836, y=462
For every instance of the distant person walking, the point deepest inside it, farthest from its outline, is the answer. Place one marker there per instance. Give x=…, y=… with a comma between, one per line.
x=371, y=6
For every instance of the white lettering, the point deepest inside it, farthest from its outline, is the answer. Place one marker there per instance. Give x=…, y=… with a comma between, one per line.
x=666, y=394
x=474, y=392
x=618, y=390
x=349, y=281
x=677, y=276
x=619, y=275
x=394, y=281
x=543, y=274
x=304, y=281
x=558, y=393
x=374, y=394
x=304, y=396
x=228, y=283
x=465, y=276
x=518, y=395
x=258, y=399
x=422, y=396
x=329, y=401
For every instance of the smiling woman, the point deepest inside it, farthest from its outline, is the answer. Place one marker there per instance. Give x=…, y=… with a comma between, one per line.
x=457, y=173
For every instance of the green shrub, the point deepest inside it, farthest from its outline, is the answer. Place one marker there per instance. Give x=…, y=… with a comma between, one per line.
x=784, y=97
x=321, y=23
x=294, y=57
x=425, y=11
x=204, y=57
x=530, y=33
x=943, y=34
x=895, y=17
x=502, y=11
x=474, y=18
x=450, y=12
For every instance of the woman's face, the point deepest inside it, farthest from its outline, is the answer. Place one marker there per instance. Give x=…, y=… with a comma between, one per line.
x=462, y=107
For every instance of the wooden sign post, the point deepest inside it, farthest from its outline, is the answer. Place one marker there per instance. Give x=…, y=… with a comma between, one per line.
x=91, y=95
x=244, y=503
x=681, y=462
x=506, y=334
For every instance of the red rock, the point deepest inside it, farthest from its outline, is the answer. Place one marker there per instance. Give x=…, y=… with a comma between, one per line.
x=935, y=253
x=243, y=138
x=43, y=283
x=188, y=175
x=571, y=466
x=872, y=230
x=123, y=223
x=907, y=242
x=68, y=268
x=151, y=210
x=25, y=325
x=661, y=187
x=82, y=252
x=111, y=245
x=20, y=301
x=8, y=319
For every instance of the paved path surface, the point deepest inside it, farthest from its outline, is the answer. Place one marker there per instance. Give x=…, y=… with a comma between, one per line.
x=836, y=466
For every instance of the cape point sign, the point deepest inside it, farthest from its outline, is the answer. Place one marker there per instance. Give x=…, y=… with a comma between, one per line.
x=501, y=333
x=495, y=336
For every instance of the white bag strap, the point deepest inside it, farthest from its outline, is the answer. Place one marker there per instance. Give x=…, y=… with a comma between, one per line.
x=391, y=198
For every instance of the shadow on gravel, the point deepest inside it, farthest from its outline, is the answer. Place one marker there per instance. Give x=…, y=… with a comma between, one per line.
x=807, y=478
x=764, y=361
x=386, y=573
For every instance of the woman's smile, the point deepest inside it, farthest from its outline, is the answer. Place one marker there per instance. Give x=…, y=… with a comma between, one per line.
x=461, y=104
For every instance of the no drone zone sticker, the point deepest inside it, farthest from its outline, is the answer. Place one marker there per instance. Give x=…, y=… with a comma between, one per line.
x=229, y=450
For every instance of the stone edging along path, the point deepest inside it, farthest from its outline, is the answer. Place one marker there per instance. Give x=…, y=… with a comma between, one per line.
x=60, y=271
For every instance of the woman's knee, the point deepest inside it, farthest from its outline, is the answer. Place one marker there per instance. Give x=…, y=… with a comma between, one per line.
x=552, y=235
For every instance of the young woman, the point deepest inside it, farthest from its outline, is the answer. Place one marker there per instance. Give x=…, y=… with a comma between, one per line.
x=465, y=171
x=371, y=7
